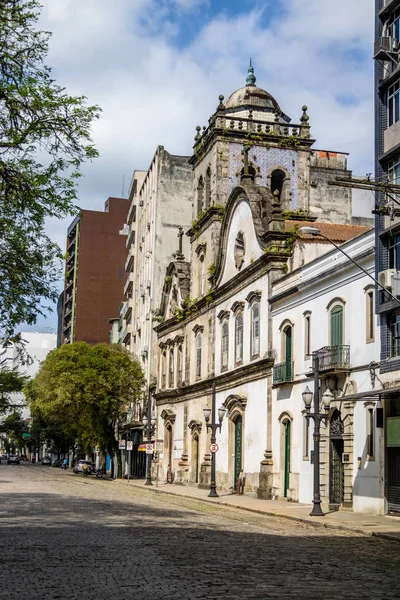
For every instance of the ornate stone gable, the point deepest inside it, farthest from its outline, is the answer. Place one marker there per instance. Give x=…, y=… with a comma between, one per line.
x=175, y=290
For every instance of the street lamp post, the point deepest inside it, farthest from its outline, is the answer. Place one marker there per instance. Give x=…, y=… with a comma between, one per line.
x=149, y=423
x=214, y=427
x=317, y=417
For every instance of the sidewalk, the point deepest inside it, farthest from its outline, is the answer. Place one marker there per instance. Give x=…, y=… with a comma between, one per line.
x=381, y=526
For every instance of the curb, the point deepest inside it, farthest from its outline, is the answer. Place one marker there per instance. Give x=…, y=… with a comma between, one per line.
x=274, y=514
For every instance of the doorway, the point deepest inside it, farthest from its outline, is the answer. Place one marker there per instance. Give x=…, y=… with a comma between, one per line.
x=195, y=458
x=286, y=475
x=238, y=449
x=336, y=467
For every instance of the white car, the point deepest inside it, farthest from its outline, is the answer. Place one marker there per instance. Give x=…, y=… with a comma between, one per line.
x=82, y=465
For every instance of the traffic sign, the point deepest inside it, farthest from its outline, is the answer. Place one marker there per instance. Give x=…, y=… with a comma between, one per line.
x=121, y=444
x=214, y=448
x=129, y=445
x=149, y=449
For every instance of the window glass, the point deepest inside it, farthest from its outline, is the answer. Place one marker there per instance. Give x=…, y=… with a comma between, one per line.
x=239, y=338
x=393, y=104
x=198, y=356
x=225, y=344
x=171, y=368
x=394, y=252
x=255, y=330
x=393, y=322
x=307, y=335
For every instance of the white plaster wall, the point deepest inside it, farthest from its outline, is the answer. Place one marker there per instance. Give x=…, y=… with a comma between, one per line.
x=241, y=220
x=260, y=285
x=318, y=283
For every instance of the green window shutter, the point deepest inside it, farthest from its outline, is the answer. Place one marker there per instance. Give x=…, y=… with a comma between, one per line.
x=337, y=326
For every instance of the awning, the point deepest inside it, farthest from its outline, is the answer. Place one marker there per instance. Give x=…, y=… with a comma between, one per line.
x=372, y=394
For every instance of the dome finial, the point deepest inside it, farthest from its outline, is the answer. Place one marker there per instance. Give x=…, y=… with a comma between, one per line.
x=250, y=79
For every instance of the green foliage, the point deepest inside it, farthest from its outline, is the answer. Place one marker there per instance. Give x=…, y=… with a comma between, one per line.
x=289, y=142
x=44, y=139
x=10, y=382
x=211, y=269
x=288, y=214
x=82, y=391
x=14, y=426
x=291, y=238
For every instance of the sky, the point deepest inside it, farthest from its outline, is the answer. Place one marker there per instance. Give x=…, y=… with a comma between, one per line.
x=157, y=67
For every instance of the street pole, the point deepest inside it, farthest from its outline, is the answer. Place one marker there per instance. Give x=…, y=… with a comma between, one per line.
x=213, y=484
x=148, y=456
x=317, y=417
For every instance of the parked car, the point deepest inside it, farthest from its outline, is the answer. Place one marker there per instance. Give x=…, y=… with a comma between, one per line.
x=46, y=460
x=4, y=457
x=57, y=462
x=82, y=465
x=13, y=459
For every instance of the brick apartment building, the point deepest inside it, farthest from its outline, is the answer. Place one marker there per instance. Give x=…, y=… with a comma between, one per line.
x=95, y=272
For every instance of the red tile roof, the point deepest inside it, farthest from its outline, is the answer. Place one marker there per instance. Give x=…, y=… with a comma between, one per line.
x=336, y=233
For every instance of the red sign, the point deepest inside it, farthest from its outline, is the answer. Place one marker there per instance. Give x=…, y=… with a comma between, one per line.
x=214, y=448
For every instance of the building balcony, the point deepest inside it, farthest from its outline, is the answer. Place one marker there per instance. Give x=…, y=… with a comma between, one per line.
x=126, y=333
x=334, y=358
x=131, y=218
x=283, y=373
x=130, y=240
x=129, y=262
x=128, y=287
x=388, y=8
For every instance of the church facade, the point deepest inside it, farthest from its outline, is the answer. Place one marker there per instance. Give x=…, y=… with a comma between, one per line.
x=257, y=181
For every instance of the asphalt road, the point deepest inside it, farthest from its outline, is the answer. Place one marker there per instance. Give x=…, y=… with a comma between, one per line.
x=64, y=536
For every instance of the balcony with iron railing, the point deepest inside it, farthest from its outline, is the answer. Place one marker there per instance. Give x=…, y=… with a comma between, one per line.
x=283, y=373
x=334, y=358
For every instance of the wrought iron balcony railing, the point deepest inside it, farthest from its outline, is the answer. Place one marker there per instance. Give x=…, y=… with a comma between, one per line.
x=283, y=372
x=334, y=358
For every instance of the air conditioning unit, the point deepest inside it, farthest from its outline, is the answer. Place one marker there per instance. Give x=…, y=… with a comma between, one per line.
x=385, y=278
x=396, y=284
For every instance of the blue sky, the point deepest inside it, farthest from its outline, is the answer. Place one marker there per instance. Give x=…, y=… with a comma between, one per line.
x=156, y=67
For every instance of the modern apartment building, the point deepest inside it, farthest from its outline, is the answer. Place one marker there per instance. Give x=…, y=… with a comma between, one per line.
x=95, y=272
x=387, y=169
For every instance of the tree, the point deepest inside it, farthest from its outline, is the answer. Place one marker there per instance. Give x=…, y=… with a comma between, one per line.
x=10, y=382
x=85, y=390
x=44, y=139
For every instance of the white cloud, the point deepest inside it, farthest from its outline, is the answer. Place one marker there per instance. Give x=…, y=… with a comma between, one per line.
x=123, y=55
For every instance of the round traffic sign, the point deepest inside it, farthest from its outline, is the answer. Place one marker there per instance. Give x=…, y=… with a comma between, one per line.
x=214, y=448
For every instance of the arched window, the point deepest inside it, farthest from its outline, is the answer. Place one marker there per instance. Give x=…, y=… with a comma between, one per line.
x=163, y=369
x=200, y=196
x=288, y=352
x=239, y=339
x=171, y=368
x=179, y=366
x=336, y=325
x=198, y=355
x=208, y=189
x=307, y=334
x=277, y=179
x=224, y=345
x=255, y=329
x=202, y=275
x=370, y=313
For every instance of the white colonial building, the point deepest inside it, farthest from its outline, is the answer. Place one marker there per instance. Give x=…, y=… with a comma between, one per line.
x=257, y=180
x=326, y=308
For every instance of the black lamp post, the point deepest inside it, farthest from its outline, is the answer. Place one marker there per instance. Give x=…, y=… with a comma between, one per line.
x=213, y=426
x=149, y=423
x=317, y=417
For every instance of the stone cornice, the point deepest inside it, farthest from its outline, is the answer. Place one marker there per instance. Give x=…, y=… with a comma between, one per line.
x=268, y=262
x=249, y=372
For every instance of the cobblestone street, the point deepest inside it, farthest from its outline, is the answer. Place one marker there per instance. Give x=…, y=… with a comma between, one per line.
x=63, y=536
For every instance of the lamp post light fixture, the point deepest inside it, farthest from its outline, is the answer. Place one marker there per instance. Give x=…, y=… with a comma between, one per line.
x=149, y=423
x=317, y=232
x=210, y=412
x=317, y=417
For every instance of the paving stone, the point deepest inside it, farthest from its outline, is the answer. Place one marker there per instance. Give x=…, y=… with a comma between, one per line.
x=64, y=537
